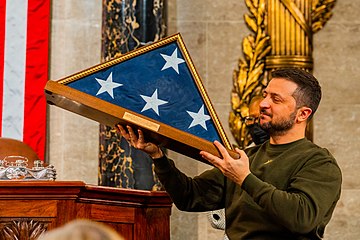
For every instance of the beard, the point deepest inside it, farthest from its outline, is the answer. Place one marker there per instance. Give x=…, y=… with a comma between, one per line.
x=279, y=127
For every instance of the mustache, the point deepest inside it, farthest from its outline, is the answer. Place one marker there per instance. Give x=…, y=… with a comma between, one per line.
x=264, y=112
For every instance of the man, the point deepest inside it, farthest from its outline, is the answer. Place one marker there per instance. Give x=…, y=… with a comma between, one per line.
x=286, y=188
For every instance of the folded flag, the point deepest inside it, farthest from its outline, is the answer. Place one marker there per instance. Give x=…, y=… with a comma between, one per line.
x=155, y=87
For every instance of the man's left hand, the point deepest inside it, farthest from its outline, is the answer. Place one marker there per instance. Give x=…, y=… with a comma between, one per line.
x=234, y=169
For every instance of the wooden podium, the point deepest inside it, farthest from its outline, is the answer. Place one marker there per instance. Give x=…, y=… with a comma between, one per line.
x=28, y=208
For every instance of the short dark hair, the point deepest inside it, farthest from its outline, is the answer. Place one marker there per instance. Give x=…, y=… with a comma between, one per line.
x=308, y=92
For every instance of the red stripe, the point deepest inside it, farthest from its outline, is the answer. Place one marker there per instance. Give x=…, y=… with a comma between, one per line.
x=2, y=47
x=36, y=75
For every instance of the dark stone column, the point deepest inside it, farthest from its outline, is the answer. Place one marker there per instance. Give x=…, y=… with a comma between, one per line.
x=127, y=25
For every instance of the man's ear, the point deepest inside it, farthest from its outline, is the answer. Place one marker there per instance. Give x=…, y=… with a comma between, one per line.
x=303, y=114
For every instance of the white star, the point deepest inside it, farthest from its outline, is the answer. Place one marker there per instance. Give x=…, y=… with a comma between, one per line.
x=153, y=102
x=107, y=85
x=199, y=118
x=172, y=61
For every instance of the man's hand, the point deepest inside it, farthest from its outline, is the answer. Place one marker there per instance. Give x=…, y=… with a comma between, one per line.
x=234, y=169
x=138, y=142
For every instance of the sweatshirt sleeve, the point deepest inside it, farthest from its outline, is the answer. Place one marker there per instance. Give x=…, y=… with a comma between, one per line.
x=201, y=193
x=308, y=201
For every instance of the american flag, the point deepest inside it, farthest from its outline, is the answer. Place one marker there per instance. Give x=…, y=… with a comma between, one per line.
x=24, y=37
x=158, y=84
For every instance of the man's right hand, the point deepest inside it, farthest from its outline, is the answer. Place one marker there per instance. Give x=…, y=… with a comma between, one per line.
x=138, y=142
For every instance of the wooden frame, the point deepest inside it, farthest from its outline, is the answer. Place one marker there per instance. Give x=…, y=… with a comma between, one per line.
x=60, y=94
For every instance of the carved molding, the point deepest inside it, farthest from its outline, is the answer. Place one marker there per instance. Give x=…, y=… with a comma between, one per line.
x=22, y=228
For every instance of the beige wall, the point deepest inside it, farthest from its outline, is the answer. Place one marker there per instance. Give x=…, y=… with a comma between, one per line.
x=75, y=45
x=213, y=31
x=337, y=66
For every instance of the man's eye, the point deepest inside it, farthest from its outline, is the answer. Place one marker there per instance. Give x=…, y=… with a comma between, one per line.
x=276, y=100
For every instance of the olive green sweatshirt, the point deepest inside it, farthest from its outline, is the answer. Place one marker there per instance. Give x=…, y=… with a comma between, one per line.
x=290, y=194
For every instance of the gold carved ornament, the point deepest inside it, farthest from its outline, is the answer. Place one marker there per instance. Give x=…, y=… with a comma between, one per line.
x=251, y=77
x=321, y=13
x=248, y=79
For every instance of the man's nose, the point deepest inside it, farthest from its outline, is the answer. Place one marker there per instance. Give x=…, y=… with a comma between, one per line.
x=264, y=103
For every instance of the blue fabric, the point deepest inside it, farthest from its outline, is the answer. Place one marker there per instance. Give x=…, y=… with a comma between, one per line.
x=142, y=75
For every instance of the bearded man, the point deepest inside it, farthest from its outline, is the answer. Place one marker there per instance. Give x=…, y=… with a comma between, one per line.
x=285, y=188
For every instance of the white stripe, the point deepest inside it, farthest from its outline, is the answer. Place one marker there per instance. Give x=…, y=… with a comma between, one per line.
x=14, y=69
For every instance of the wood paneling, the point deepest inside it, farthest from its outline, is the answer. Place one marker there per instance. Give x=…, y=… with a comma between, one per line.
x=28, y=208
